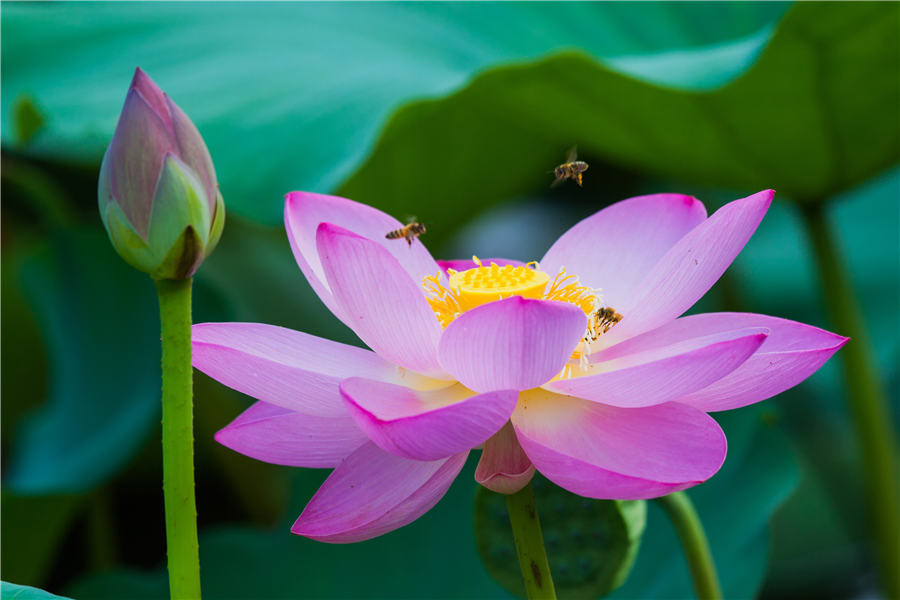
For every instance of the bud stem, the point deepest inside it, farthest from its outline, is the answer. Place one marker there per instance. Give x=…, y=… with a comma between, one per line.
x=696, y=548
x=526, y=528
x=867, y=400
x=178, y=439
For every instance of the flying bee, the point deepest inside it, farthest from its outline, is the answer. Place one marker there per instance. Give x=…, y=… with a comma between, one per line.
x=571, y=169
x=410, y=232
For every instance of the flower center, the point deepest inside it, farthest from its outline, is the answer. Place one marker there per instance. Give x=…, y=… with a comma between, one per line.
x=474, y=287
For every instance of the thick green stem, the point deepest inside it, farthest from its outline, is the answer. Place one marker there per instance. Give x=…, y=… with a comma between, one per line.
x=866, y=398
x=696, y=548
x=526, y=526
x=178, y=439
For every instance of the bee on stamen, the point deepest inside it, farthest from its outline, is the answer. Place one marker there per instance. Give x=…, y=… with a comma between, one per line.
x=600, y=322
x=571, y=169
x=410, y=232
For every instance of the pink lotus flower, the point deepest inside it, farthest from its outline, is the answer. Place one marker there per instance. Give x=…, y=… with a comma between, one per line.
x=577, y=366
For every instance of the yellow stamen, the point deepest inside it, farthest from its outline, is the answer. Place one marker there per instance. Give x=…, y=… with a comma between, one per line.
x=444, y=302
x=464, y=290
x=565, y=288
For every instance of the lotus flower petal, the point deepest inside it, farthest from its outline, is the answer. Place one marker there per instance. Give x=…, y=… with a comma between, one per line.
x=304, y=212
x=601, y=451
x=511, y=344
x=280, y=436
x=615, y=248
x=373, y=492
x=153, y=95
x=503, y=467
x=134, y=158
x=690, y=267
x=380, y=302
x=791, y=353
x=194, y=152
x=294, y=370
x=663, y=373
x=426, y=425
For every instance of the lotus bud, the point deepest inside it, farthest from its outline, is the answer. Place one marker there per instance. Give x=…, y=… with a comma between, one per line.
x=157, y=193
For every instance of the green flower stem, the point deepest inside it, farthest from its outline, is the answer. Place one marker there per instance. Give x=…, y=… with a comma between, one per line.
x=526, y=526
x=866, y=397
x=178, y=439
x=696, y=548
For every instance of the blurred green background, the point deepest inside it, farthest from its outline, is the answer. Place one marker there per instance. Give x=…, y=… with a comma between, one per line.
x=453, y=112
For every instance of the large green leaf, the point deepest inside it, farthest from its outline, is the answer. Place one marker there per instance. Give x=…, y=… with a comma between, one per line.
x=815, y=114
x=292, y=95
x=591, y=544
x=12, y=591
x=98, y=319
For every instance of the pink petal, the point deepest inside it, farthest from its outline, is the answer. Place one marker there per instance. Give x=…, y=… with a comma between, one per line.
x=462, y=264
x=426, y=425
x=373, y=492
x=277, y=435
x=288, y=368
x=511, y=344
x=135, y=157
x=304, y=212
x=194, y=152
x=658, y=373
x=607, y=452
x=791, y=353
x=690, y=268
x=503, y=467
x=385, y=308
x=152, y=94
x=615, y=248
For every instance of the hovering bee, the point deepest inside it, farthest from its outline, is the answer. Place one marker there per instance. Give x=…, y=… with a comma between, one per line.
x=410, y=232
x=571, y=169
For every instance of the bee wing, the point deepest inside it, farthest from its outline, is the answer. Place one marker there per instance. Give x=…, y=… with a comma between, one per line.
x=572, y=155
x=557, y=182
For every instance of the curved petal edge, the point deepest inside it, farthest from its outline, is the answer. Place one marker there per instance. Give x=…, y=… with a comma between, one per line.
x=425, y=425
x=373, y=492
x=279, y=436
x=606, y=452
